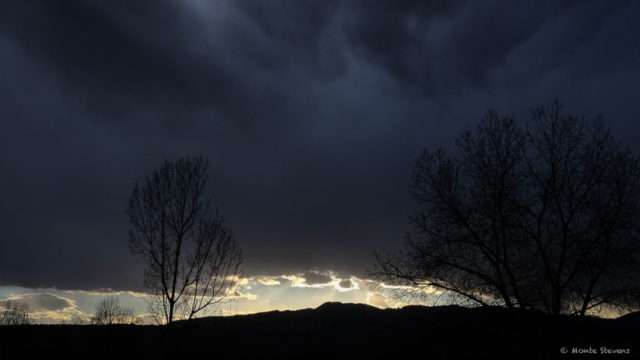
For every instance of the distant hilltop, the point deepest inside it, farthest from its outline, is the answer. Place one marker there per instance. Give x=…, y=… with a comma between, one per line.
x=346, y=330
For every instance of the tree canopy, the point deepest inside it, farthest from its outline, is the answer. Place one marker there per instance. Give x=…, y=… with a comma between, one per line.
x=193, y=260
x=109, y=311
x=542, y=215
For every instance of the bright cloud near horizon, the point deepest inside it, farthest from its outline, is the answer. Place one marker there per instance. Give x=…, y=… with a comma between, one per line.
x=311, y=115
x=251, y=295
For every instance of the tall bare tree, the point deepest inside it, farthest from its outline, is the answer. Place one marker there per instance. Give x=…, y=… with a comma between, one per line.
x=193, y=261
x=542, y=216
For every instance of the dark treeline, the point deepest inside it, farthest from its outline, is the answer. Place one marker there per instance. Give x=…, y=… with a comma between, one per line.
x=337, y=330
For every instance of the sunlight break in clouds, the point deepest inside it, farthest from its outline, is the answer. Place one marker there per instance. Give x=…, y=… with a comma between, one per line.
x=249, y=295
x=49, y=308
x=313, y=279
x=268, y=280
x=377, y=299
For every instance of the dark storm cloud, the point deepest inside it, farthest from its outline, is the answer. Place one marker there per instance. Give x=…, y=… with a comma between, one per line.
x=316, y=278
x=439, y=47
x=346, y=284
x=311, y=113
x=129, y=54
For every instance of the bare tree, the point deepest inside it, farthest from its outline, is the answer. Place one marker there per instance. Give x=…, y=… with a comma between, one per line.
x=109, y=311
x=14, y=313
x=544, y=216
x=193, y=261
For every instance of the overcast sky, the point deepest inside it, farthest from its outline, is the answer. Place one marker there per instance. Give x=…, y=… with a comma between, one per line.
x=310, y=112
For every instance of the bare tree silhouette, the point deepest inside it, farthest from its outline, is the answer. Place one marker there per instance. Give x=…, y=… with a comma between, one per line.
x=109, y=311
x=14, y=313
x=543, y=216
x=193, y=261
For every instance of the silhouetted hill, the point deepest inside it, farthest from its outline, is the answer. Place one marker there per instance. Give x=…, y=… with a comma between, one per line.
x=336, y=330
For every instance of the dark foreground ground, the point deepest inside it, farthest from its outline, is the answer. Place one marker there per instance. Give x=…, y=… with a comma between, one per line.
x=341, y=331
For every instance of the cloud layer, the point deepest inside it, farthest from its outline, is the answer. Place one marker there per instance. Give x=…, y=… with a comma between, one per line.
x=311, y=113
